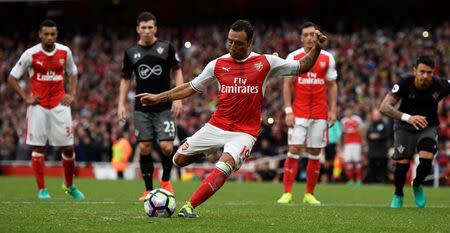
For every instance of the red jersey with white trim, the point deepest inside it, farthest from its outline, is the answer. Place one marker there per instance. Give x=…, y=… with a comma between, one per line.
x=241, y=88
x=46, y=71
x=351, y=126
x=310, y=89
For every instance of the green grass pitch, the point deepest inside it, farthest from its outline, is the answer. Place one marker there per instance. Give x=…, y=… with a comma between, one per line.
x=112, y=206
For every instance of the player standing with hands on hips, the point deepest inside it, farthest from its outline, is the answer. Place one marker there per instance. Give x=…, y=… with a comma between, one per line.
x=48, y=114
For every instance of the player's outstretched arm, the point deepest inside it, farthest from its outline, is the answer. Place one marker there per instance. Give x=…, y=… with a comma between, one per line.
x=311, y=57
x=177, y=93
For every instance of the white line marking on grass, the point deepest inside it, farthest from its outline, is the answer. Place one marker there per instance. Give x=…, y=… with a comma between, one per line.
x=251, y=203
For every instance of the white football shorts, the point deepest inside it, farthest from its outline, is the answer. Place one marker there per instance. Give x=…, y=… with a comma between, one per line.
x=352, y=152
x=312, y=130
x=54, y=125
x=209, y=139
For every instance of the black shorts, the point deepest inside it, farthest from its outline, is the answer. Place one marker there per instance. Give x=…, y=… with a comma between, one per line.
x=154, y=125
x=405, y=141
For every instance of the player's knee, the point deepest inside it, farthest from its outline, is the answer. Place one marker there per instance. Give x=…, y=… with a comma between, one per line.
x=224, y=167
x=68, y=152
x=295, y=149
x=292, y=155
x=180, y=160
x=167, y=149
x=38, y=149
x=427, y=144
x=145, y=148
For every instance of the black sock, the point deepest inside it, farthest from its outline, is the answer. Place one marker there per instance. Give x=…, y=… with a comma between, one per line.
x=166, y=162
x=147, y=168
x=422, y=171
x=400, y=177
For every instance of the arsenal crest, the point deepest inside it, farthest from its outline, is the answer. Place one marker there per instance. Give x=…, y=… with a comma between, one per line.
x=185, y=146
x=61, y=61
x=322, y=64
x=258, y=66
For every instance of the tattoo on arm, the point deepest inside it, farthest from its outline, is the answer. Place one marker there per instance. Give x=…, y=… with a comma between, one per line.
x=388, y=107
x=309, y=59
x=165, y=98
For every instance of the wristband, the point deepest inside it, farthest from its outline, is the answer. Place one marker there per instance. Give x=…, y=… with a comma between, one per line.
x=405, y=117
x=288, y=110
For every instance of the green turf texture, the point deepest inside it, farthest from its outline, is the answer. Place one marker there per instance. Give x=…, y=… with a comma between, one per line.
x=112, y=206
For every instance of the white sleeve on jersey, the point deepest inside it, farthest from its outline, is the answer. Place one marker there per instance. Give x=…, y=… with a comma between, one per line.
x=204, y=78
x=22, y=65
x=280, y=67
x=71, y=68
x=331, y=72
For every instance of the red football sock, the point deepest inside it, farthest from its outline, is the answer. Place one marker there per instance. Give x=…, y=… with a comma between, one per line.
x=358, y=172
x=312, y=174
x=38, y=165
x=208, y=187
x=290, y=172
x=69, y=167
x=349, y=171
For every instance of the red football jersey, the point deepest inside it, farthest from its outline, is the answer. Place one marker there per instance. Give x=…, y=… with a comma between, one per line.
x=351, y=126
x=241, y=88
x=310, y=90
x=46, y=71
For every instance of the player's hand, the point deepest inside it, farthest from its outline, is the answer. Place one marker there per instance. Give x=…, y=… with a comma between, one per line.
x=177, y=107
x=419, y=122
x=147, y=99
x=289, y=120
x=331, y=118
x=320, y=39
x=122, y=112
x=32, y=100
x=67, y=100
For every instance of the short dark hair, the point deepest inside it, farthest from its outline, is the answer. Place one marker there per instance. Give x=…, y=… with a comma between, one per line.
x=47, y=23
x=424, y=59
x=307, y=25
x=243, y=25
x=145, y=16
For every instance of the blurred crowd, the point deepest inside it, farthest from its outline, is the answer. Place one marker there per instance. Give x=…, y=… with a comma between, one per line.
x=368, y=64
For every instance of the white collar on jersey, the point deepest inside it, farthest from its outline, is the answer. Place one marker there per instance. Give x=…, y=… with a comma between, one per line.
x=252, y=54
x=46, y=52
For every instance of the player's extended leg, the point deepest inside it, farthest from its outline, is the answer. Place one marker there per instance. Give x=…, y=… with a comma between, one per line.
x=401, y=168
x=312, y=176
x=68, y=162
x=38, y=165
x=290, y=173
x=427, y=148
x=147, y=168
x=209, y=185
x=166, y=161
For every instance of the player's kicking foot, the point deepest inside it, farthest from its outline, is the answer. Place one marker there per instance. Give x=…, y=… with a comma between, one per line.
x=43, y=194
x=167, y=185
x=144, y=195
x=310, y=200
x=286, y=198
x=397, y=202
x=187, y=211
x=74, y=192
x=419, y=197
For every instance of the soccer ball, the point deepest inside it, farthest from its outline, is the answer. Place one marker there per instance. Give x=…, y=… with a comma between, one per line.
x=159, y=203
